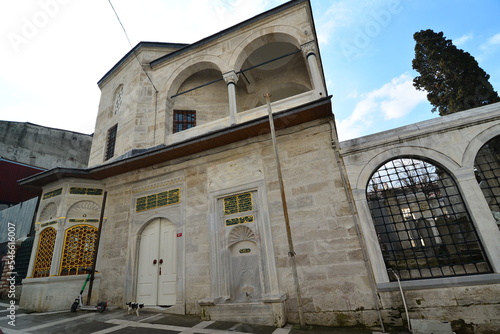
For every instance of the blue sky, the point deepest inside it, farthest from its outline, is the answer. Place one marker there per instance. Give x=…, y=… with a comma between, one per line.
x=55, y=51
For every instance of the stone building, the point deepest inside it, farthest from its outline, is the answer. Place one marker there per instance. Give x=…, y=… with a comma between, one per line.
x=183, y=173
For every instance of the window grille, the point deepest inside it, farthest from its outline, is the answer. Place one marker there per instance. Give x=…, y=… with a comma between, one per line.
x=487, y=169
x=44, y=253
x=422, y=224
x=78, y=250
x=110, y=142
x=184, y=119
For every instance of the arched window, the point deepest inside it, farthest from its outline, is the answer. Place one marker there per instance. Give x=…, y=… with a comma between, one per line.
x=78, y=250
x=487, y=168
x=45, y=250
x=422, y=224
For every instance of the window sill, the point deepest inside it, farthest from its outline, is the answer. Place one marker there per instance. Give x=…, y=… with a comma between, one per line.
x=437, y=283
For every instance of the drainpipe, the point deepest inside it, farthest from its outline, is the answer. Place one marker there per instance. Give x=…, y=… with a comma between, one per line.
x=403, y=297
x=291, y=251
x=101, y=218
x=354, y=213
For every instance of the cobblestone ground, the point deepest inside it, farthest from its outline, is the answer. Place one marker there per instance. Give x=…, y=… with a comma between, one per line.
x=119, y=322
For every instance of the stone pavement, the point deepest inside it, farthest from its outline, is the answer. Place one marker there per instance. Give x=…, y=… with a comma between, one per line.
x=118, y=321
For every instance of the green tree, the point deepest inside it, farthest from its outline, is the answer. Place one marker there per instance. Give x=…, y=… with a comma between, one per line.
x=452, y=78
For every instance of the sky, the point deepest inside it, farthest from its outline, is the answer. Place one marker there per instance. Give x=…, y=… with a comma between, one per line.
x=53, y=52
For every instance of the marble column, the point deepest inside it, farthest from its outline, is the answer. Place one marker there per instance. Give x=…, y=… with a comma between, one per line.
x=310, y=53
x=231, y=79
x=58, y=248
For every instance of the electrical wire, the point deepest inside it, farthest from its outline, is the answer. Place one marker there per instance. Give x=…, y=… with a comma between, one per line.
x=128, y=39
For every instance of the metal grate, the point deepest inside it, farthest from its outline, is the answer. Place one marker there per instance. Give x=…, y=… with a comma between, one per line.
x=184, y=119
x=44, y=253
x=422, y=224
x=78, y=250
x=487, y=169
x=111, y=142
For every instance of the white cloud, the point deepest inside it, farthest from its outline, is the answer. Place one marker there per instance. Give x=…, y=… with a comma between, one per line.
x=54, y=52
x=491, y=42
x=339, y=14
x=393, y=100
x=463, y=39
x=352, y=27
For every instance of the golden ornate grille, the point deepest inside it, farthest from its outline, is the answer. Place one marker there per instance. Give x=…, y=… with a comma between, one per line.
x=78, y=250
x=238, y=203
x=44, y=253
x=158, y=200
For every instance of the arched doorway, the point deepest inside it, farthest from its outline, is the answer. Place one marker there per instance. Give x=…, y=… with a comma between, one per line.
x=157, y=276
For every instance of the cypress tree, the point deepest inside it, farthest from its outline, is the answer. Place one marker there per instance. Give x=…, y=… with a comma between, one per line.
x=452, y=78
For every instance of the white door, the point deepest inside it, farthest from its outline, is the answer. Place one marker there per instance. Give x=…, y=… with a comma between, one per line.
x=156, y=284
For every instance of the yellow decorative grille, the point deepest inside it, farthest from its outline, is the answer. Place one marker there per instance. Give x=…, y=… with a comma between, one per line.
x=158, y=200
x=52, y=193
x=85, y=191
x=239, y=220
x=78, y=250
x=83, y=220
x=238, y=203
x=45, y=250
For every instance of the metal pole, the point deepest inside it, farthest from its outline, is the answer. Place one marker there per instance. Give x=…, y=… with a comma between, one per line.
x=291, y=252
x=101, y=218
x=404, y=299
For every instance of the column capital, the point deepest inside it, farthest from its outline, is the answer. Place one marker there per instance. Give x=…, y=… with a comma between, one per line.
x=231, y=77
x=309, y=48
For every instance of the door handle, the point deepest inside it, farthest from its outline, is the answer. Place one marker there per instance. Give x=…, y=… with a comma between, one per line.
x=161, y=261
x=154, y=262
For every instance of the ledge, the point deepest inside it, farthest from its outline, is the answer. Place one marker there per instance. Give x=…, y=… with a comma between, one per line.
x=438, y=283
x=278, y=298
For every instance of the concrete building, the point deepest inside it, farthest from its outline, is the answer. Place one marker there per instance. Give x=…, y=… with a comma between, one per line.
x=183, y=172
x=43, y=147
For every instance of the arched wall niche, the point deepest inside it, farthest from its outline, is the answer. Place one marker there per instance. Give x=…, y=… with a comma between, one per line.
x=48, y=212
x=84, y=209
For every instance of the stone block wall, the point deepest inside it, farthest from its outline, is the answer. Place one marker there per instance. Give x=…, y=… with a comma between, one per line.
x=452, y=143
x=332, y=274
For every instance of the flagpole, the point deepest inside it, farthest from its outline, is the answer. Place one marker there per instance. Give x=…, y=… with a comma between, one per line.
x=291, y=251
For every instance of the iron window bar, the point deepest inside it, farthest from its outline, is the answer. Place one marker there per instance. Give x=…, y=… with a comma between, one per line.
x=421, y=221
x=487, y=170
